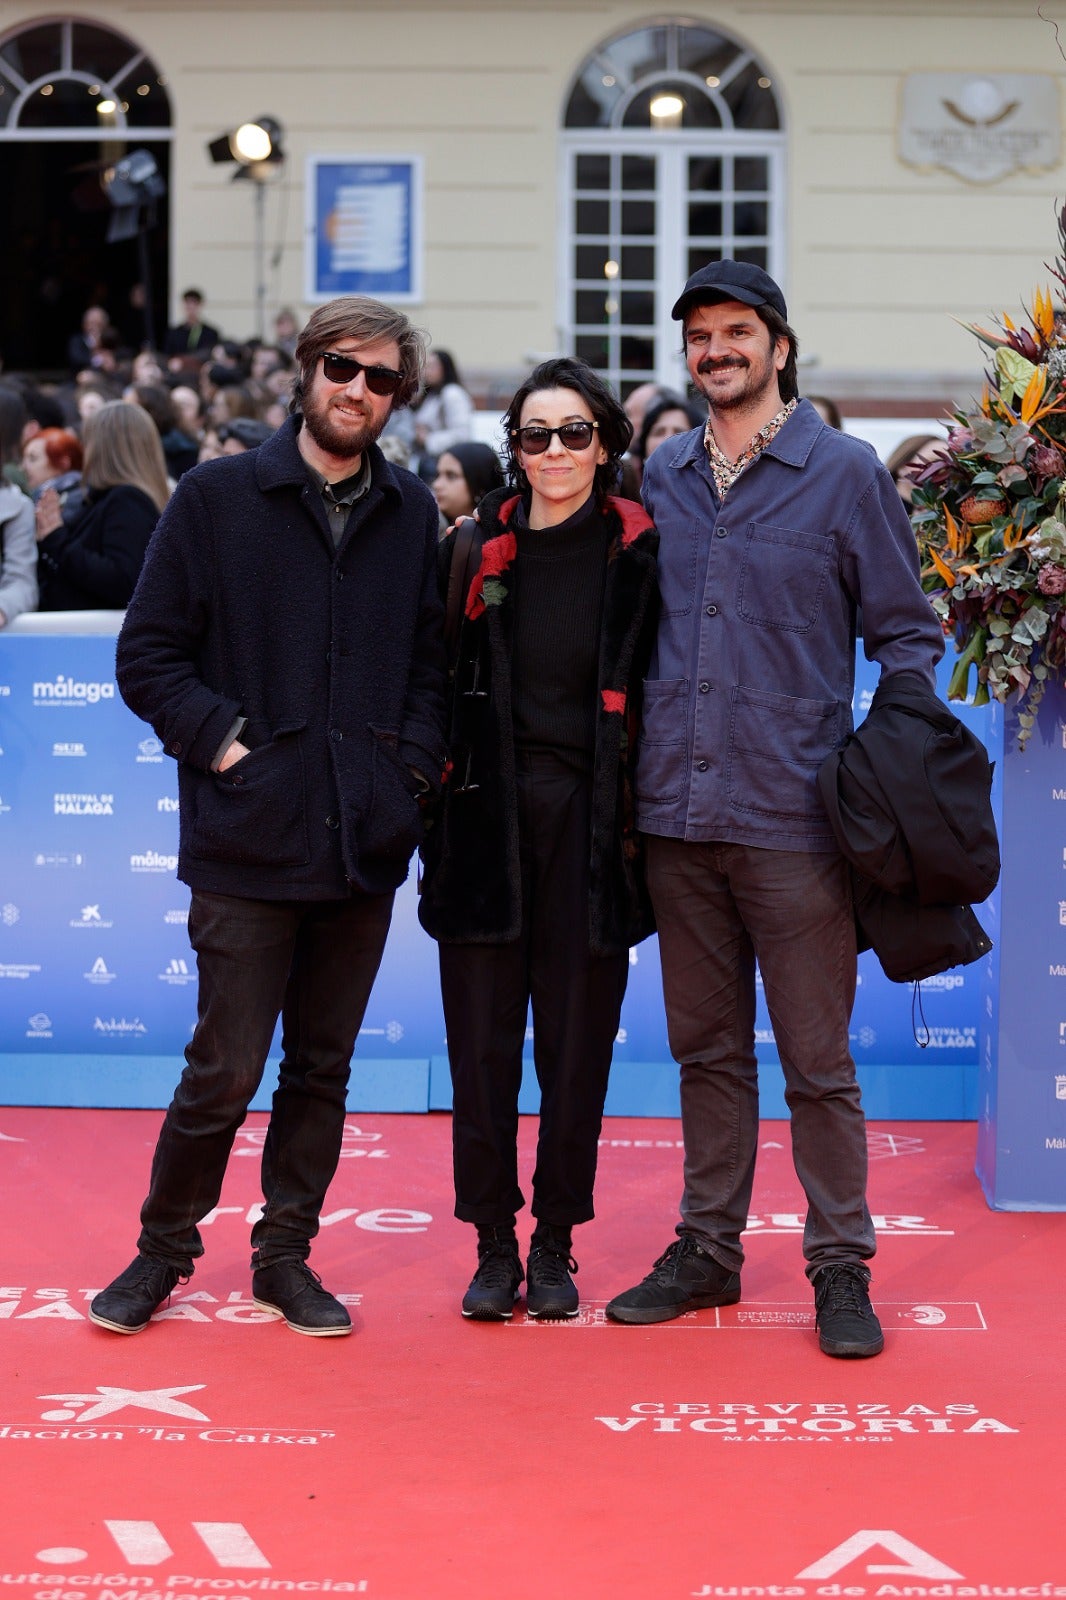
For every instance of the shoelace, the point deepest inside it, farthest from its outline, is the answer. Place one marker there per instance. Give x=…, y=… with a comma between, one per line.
x=671, y=1258
x=552, y=1269
x=498, y=1267
x=843, y=1289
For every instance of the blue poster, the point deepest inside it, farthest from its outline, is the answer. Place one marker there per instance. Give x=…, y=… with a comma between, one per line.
x=364, y=227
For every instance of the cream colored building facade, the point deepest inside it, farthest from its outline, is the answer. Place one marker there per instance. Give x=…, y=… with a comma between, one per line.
x=558, y=210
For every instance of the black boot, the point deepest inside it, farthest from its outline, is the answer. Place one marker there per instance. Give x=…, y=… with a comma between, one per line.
x=494, y=1287
x=551, y=1293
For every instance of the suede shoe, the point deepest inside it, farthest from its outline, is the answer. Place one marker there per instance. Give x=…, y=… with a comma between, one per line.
x=550, y=1290
x=494, y=1287
x=686, y=1277
x=126, y=1305
x=294, y=1292
x=847, y=1323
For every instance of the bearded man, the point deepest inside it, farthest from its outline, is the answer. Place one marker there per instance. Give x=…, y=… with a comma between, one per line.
x=774, y=530
x=285, y=643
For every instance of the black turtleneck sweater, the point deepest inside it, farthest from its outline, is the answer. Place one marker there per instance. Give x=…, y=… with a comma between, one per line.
x=559, y=580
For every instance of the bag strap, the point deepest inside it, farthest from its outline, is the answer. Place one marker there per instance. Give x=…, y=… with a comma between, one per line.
x=466, y=558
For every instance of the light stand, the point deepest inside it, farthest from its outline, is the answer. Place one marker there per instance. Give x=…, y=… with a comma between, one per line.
x=256, y=147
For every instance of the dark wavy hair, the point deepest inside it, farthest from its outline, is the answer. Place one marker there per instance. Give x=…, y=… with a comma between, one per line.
x=615, y=430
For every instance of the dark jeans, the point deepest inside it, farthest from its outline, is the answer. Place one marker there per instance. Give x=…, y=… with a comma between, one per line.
x=576, y=1001
x=314, y=962
x=719, y=907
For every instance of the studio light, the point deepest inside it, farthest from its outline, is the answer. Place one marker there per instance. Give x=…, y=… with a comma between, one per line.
x=257, y=150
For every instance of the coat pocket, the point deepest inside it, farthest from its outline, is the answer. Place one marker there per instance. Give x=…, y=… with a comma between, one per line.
x=783, y=577
x=393, y=824
x=662, y=753
x=255, y=813
x=777, y=742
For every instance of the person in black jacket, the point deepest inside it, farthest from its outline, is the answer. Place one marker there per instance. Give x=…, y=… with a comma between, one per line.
x=92, y=563
x=285, y=643
x=533, y=882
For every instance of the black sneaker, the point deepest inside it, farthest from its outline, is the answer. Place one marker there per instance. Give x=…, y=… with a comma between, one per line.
x=686, y=1277
x=551, y=1292
x=847, y=1323
x=292, y=1290
x=494, y=1287
x=126, y=1305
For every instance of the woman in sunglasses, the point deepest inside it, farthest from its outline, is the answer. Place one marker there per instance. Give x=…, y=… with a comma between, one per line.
x=533, y=883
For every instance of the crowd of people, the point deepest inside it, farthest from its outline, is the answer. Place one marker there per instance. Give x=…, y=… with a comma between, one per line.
x=591, y=679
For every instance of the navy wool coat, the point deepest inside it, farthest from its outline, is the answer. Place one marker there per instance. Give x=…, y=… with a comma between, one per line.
x=333, y=655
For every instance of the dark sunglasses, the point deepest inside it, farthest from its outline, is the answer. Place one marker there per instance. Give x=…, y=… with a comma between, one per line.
x=574, y=435
x=342, y=369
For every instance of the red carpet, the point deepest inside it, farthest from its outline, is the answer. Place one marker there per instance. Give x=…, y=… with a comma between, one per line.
x=426, y=1458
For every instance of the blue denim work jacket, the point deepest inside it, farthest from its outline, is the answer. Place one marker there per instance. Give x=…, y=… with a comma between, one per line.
x=752, y=681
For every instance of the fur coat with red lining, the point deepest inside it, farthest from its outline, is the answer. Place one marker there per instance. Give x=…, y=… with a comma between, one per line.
x=471, y=887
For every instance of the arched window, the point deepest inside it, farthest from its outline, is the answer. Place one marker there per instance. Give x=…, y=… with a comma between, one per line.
x=70, y=74
x=673, y=156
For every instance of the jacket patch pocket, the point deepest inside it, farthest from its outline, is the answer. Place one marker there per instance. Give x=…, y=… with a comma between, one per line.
x=783, y=577
x=393, y=825
x=677, y=572
x=255, y=812
x=776, y=745
x=662, y=764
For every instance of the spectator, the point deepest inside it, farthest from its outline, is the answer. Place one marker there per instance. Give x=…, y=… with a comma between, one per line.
x=828, y=410
x=179, y=449
x=186, y=402
x=665, y=418
x=638, y=400
x=465, y=473
x=192, y=336
x=445, y=414
x=91, y=396
x=243, y=433
x=147, y=367
x=18, y=554
x=910, y=458
x=13, y=420
x=53, y=459
x=286, y=331
x=93, y=346
x=95, y=563
x=231, y=400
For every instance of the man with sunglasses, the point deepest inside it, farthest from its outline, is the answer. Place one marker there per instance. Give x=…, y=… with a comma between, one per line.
x=774, y=529
x=285, y=643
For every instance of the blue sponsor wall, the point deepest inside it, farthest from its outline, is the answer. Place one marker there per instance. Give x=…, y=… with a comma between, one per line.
x=97, y=982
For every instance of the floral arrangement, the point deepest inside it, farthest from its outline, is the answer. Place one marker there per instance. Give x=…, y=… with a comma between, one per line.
x=990, y=514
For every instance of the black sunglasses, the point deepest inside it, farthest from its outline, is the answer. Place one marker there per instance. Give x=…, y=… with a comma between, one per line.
x=535, y=440
x=342, y=369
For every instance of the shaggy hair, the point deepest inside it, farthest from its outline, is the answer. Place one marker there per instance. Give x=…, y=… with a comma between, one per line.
x=357, y=316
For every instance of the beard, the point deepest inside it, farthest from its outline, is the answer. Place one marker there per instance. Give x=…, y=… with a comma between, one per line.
x=342, y=436
x=761, y=378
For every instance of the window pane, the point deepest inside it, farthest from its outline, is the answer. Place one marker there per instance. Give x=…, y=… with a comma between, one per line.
x=590, y=306
x=638, y=172
x=638, y=216
x=637, y=307
x=704, y=221
x=593, y=100
x=704, y=52
x=702, y=258
x=589, y=261
x=592, y=172
x=148, y=102
x=68, y=106
x=751, y=217
x=752, y=173
x=34, y=52
x=705, y=172
x=750, y=99
x=637, y=55
x=698, y=111
x=592, y=216
x=102, y=53
x=637, y=354
x=757, y=254
x=638, y=261
x=591, y=348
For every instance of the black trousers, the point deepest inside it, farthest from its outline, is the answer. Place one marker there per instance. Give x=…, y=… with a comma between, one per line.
x=314, y=962
x=576, y=1002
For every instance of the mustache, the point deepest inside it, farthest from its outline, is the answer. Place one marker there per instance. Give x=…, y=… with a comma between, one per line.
x=722, y=364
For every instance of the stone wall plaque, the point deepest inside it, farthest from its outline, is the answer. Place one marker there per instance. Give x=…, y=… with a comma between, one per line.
x=981, y=126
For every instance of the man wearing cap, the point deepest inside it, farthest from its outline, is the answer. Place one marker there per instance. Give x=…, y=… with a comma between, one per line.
x=775, y=529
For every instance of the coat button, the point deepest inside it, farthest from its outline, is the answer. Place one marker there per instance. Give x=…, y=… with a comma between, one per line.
x=721, y=533
x=175, y=749
x=712, y=611
x=332, y=822
x=336, y=735
x=701, y=766
x=705, y=688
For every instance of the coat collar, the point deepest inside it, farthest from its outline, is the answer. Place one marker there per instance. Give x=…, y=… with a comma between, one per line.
x=278, y=462
x=792, y=445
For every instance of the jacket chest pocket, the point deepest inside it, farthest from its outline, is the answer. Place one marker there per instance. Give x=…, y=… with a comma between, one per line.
x=783, y=577
x=678, y=563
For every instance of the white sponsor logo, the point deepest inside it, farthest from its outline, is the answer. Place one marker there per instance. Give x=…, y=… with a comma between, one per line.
x=68, y=748
x=354, y=1142
x=177, y=916
x=945, y=1038
x=59, y=858
x=801, y=1421
x=176, y=971
x=83, y=805
x=153, y=861
x=3, y=805
x=943, y=980
x=89, y=917
x=150, y=751
x=167, y=803
x=18, y=969
x=99, y=972
x=40, y=1026
x=118, y=1027
x=9, y=915
x=71, y=691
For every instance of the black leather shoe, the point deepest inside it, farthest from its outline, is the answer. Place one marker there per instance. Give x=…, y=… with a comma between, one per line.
x=551, y=1293
x=494, y=1286
x=686, y=1277
x=126, y=1305
x=294, y=1292
x=847, y=1323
